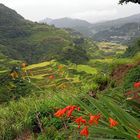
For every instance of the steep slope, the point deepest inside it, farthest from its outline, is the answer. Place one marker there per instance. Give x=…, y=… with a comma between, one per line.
x=9, y=16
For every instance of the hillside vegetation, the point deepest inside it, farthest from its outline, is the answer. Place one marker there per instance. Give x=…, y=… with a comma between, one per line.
x=33, y=42
x=57, y=85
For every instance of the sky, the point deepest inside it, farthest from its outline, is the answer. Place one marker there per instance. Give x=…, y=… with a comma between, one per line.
x=90, y=10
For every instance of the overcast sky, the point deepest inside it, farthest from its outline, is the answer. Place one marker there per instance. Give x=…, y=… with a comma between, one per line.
x=90, y=10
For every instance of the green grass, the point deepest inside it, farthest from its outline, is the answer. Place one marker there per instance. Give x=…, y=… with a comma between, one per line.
x=39, y=65
x=87, y=69
x=17, y=116
x=3, y=71
x=106, y=60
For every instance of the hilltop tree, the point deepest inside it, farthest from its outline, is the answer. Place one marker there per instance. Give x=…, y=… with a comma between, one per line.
x=126, y=1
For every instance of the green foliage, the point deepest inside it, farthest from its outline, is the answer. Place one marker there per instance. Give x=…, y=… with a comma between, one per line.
x=132, y=76
x=13, y=89
x=74, y=54
x=133, y=49
x=108, y=107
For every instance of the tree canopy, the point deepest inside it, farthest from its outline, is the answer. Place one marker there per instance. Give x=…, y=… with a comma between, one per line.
x=126, y=1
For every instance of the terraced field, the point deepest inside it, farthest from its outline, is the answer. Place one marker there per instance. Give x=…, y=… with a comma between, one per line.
x=53, y=74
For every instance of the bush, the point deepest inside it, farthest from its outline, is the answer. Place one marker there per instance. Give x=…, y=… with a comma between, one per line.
x=14, y=89
x=133, y=49
x=132, y=76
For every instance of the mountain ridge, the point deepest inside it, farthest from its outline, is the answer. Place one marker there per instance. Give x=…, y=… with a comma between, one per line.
x=97, y=30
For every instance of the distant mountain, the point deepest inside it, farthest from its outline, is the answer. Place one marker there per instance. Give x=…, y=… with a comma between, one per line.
x=66, y=22
x=113, y=30
x=76, y=24
x=123, y=34
x=46, y=20
x=122, y=30
x=115, y=23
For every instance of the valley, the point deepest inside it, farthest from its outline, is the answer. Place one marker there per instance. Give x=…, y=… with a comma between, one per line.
x=69, y=82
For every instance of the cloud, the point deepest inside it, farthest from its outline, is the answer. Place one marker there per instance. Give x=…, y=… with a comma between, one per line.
x=91, y=10
x=96, y=15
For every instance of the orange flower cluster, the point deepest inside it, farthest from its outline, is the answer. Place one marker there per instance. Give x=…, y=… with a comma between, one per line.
x=133, y=95
x=93, y=119
x=137, y=85
x=67, y=110
x=80, y=121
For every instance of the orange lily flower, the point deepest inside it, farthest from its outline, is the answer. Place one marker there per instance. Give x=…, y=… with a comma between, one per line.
x=84, y=132
x=94, y=119
x=60, y=112
x=136, y=84
x=72, y=108
x=69, y=109
x=80, y=121
x=113, y=122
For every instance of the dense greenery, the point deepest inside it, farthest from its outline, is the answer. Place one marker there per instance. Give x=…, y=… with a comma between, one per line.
x=133, y=48
x=33, y=42
x=19, y=117
x=81, y=78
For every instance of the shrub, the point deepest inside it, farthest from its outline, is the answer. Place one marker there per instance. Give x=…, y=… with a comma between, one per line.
x=132, y=76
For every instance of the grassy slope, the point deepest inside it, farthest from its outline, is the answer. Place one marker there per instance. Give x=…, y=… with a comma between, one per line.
x=23, y=110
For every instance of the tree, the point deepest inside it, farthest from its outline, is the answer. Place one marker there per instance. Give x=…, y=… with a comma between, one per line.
x=126, y=1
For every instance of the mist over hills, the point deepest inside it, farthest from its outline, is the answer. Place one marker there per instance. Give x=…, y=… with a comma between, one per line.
x=76, y=24
x=66, y=22
x=103, y=31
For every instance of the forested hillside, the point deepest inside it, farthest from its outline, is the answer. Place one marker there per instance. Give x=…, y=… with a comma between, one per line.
x=24, y=40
